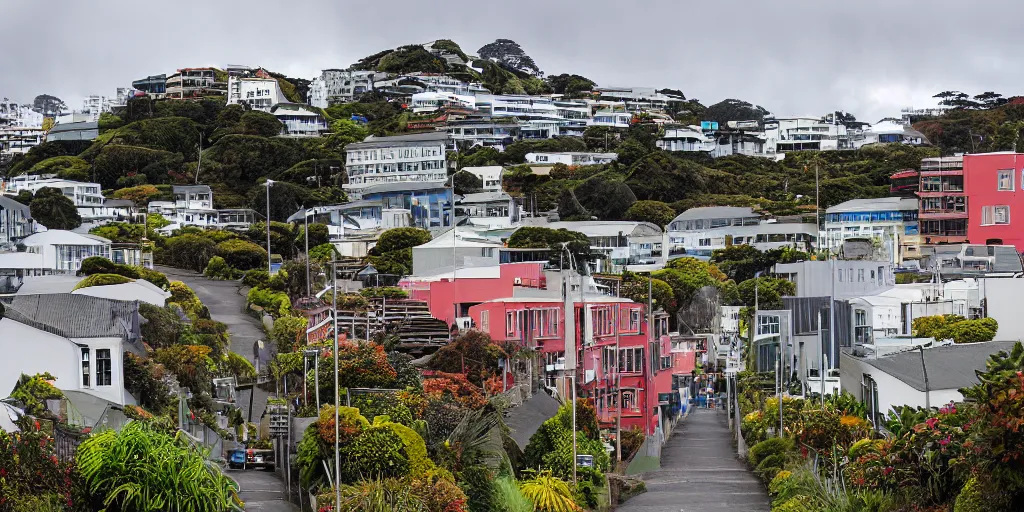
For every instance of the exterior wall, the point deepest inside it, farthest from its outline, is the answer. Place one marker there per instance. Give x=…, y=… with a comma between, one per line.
x=490, y=176
x=814, y=278
x=257, y=93
x=1001, y=296
x=982, y=188
x=30, y=351
x=892, y=392
x=401, y=163
x=441, y=296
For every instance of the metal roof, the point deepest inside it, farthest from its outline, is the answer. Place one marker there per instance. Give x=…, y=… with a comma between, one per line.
x=406, y=186
x=190, y=188
x=716, y=212
x=875, y=205
x=949, y=367
x=412, y=139
x=75, y=316
x=6, y=203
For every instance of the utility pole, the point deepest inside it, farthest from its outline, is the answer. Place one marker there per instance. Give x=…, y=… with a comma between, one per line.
x=270, y=268
x=305, y=214
x=337, y=397
x=618, y=387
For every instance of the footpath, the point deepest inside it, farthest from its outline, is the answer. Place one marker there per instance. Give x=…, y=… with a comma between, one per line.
x=701, y=472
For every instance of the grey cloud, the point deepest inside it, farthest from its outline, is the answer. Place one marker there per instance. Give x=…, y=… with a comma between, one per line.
x=794, y=57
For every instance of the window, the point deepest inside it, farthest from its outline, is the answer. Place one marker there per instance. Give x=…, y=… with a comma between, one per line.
x=880, y=271
x=103, y=368
x=634, y=320
x=767, y=324
x=1002, y=214
x=995, y=215
x=705, y=242
x=485, y=321
x=629, y=399
x=860, y=275
x=631, y=360
x=511, y=323
x=1005, y=180
x=602, y=321
x=85, y=367
x=840, y=275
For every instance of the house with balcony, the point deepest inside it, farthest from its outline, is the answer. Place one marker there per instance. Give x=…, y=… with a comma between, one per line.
x=637, y=99
x=193, y=206
x=340, y=86
x=891, y=132
x=15, y=223
x=53, y=252
x=154, y=84
x=299, y=120
x=256, y=92
x=87, y=197
x=194, y=83
x=611, y=119
x=700, y=231
x=942, y=218
x=688, y=139
x=571, y=158
x=891, y=222
x=488, y=209
x=805, y=134
x=15, y=140
x=405, y=172
x=619, y=245
x=489, y=176
x=485, y=131
x=741, y=138
x=429, y=102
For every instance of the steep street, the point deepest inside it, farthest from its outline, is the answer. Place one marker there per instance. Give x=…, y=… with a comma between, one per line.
x=700, y=472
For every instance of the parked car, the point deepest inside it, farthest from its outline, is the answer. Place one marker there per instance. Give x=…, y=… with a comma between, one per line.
x=251, y=458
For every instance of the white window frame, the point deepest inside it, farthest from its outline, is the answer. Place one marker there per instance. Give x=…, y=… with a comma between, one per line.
x=987, y=216
x=1004, y=180
x=108, y=371
x=1001, y=214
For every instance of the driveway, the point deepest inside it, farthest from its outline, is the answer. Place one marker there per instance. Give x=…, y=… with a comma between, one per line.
x=700, y=472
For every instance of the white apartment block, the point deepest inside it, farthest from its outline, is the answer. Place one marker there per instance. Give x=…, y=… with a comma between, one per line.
x=571, y=158
x=340, y=86
x=700, y=231
x=637, y=99
x=417, y=158
x=19, y=139
x=193, y=206
x=258, y=93
x=427, y=102
x=688, y=138
x=82, y=194
x=611, y=119
x=890, y=221
x=13, y=114
x=489, y=176
x=805, y=133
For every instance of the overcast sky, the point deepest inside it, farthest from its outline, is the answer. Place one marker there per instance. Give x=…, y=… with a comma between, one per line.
x=793, y=57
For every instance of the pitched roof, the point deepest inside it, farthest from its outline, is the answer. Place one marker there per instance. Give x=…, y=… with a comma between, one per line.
x=412, y=139
x=716, y=212
x=949, y=367
x=61, y=237
x=6, y=203
x=75, y=316
x=874, y=205
x=181, y=189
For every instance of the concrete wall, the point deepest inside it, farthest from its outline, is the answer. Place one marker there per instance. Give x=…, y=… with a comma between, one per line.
x=1001, y=296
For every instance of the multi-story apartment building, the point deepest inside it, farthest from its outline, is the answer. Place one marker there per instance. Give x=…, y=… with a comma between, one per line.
x=13, y=115
x=20, y=139
x=188, y=83
x=155, y=84
x=428, y=102
x=943, y=203
x=805, y=133
x=993, y=183
x=257, y=92
x=611, y=119
x=82, y=194
x=700, y=231
x=489, y=176
x=405, y=172
x=15, y=222
x=637, y=99
x=486, y=132
x=619, y=244
x=892, y=221
x=687, y=138
x=193, y=206
x=340, y=86
x=299, y=120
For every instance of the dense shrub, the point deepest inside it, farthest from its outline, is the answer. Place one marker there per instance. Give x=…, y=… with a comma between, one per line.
x=401, y=238
x=96, y=265
x=256, y=278
x=767, y=448
x=217, y=268
x=388, y=292
x=275, y=303
x=101, y=280
x=191, y=252
x=241, y=254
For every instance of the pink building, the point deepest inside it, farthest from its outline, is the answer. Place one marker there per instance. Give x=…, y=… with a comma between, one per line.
x=469, y=286
x=994, y=186
x=614, y=353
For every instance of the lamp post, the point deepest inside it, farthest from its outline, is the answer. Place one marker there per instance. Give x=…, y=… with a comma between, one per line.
x=270, y=269
x=572, y=394
x=337, y=397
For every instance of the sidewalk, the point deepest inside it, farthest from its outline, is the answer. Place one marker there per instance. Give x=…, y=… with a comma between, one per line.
x=700, y=472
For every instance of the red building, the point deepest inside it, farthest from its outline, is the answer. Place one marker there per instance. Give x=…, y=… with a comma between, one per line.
x=993, y=188
x=943, y=214
x=444, y=293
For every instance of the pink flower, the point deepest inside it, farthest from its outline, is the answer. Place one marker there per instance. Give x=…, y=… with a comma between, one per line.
x=932, y=422
x=887, y=470
x=944, y=442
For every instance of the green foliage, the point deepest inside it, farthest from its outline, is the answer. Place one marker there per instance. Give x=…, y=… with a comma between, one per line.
x=550, y=448
x=401, y=238
x=140, y=195
x=529, y=237
x=467, y=183
x=323, y=253
x=570, y=85
x=145, y=469
x=185, y=298
x=288, y=332
x=735, y=110
x=188, y=251
x=96, y=265
x=33, y=392
x=318, y=235
x=742, y=262
x=241, y=254
x=258, y=123
x=256, y=278
x=118, y=161
x=980, y=495
x=774, y=446
x=956, y=328
x=372, y=405
x=549, y=493
x=163, y=326
x=655, y=212
x=101, y=280
x=190, y=364
x=509, y=497
x=217, y=268
x=45, y=151
x=769, y=292
x=473, y=353
x=599, y=197
x=143, y=378
x=34, y=479
x=388, y=292
x=276, y=303
x=51, y=208
x=66, y=167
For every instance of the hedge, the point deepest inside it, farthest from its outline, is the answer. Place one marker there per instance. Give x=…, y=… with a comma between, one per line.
x=101, y=280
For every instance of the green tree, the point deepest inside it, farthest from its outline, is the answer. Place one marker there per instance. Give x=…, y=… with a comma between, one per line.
x=51, y=208
x=241, y=254
x=318, y=235
x=401, y=238
x=655, y=212
x=258, y=123
x=190, y=251
x=467, y=183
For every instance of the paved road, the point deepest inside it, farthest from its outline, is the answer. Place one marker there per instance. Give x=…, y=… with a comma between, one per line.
x=700, y=472
x=262, y=491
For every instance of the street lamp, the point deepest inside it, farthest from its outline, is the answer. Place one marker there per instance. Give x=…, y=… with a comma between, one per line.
x=572, y=395
x=270, y=269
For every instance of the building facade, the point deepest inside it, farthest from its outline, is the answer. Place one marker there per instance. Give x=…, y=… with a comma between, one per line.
x=994, y=190
x=891, y=222
x=700, y=231
x=943, y=212
x=403, y=159
x=255, y=92
x=340, y=86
